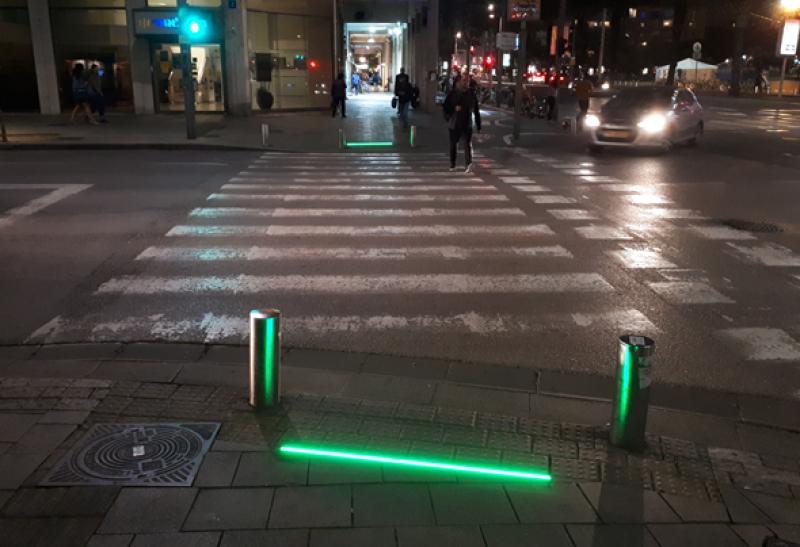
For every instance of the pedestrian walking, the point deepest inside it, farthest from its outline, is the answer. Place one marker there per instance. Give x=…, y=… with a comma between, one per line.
x=403, y=91
x=460, y=107
x=583, y=92
x=96, y=99
x=338, y=95
x=355, y=83
x=80, y=93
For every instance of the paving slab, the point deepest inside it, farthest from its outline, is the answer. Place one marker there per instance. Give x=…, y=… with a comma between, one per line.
x=440, y=536
x=699, y=428
x=557, y=503
x=337, y=472
x=217, y=469
x=75, y=501
x=182, y=539
x=15, y=468
x=353, y=537
x=381, y=387
x=95, y=352
x=770, y=411
x=60, y=531
x=552, y=535
x=76, y=417
x=205, y=374
x=752, y=534
x=576, y=385
x=230, y=509
x=266, y=469
x=695, y=535
x=469, y=504
x=110, y=540
x=148, y=510
x=392, y=505
x=265, y=538
x=325, y=360
x=562, y=409
x=14, y=426
x=310, y=507
x=740, y=509
x=780, y=510
x=763, y=440
x=407, y=367
x=788, y=532
x=482, y=399
x=611, y=535
x=622, y=505
x=515, y=378
x=140, y=371
x=49, y=369
x=697, y=510
x=42, y=439
x=695, y=400
x=227, y=354
x=313, y=382
x=14, y=353
x=161, y=352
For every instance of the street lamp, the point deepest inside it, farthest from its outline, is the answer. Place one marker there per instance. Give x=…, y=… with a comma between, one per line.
x=789, y=7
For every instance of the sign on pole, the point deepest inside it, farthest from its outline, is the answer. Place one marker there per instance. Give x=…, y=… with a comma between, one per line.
x=787, y=46
x=507, y=41
x=697, y=51
x=524, y=10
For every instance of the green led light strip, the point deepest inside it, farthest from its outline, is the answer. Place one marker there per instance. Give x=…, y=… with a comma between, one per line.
x=269, y=357
x=625, y=391
x=368, y=144
x=413, y=463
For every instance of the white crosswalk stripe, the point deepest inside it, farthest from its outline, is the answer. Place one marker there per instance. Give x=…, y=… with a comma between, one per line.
x=355, y=197
x=244, y=212
x=434, y=230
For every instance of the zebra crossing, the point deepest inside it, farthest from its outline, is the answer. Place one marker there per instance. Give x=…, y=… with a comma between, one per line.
x=375, y=252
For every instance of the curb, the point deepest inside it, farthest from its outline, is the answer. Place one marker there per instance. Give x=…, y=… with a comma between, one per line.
x=139, y=146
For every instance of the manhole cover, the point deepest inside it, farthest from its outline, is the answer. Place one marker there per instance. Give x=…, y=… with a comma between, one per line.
x=140, y=454
x=750, y=226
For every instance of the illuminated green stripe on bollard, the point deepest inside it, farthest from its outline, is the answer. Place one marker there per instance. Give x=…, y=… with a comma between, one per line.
x=629, y=418
x=265, y=358
x=366, y=144
x=374, y=458
x=625, y=389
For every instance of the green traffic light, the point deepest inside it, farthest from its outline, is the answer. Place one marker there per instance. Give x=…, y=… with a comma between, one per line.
x=194, y=27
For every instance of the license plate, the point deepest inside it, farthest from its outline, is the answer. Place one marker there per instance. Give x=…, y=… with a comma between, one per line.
x=616, y=133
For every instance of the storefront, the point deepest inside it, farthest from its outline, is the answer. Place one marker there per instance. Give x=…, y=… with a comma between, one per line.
x=160, y=27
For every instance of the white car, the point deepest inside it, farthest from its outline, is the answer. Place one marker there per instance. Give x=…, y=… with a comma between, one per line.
x=652, y=117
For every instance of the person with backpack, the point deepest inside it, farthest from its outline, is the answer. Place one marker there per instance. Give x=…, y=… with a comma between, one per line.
x=80, y=93
x=403, y=92
x=460, y=107
x=338, y=95
x=96, y=98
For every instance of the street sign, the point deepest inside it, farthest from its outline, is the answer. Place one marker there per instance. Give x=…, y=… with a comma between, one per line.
x=507, y=41
x=524, y=10
x=697, y=51
x=787, y=46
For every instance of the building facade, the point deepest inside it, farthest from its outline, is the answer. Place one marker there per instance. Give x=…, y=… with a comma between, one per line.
x=280, y=54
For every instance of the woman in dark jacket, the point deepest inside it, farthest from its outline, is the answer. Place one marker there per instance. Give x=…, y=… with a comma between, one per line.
x=460, y=106
x=80, y=93
x=338, y=95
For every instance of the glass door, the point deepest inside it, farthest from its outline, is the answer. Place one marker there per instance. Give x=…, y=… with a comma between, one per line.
x=206, y=74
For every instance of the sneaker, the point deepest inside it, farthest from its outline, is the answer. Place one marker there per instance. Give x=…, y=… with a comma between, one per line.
x=468, y=169
x=453, y=169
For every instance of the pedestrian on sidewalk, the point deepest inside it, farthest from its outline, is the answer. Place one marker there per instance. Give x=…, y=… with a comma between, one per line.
x=338, y=95
x=583, y=92
x=96, y=98
x=402, y=90
x=355, y=82
x=460, y=107
x=80, y=93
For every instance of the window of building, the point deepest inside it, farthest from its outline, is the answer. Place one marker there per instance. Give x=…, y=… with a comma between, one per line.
x=174, y=3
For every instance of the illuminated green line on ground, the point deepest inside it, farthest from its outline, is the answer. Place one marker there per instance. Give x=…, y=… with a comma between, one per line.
x=269, y=357
x=625, y=391
x=368, y=143
x=413, y=463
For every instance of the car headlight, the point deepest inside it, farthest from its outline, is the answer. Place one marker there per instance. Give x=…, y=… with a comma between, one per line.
x=591, y=121
x=653, y=123
x=606, y=85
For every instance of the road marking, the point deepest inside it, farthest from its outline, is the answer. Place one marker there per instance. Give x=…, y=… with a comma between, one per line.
x=57, y=193
x=647, y=199
x=572, y=214
x=220, y=254
x=438, y=230
x=763, y=344
x=406, y=284
x=503, y=171
x=530, y=189
x=721, y=232
x=359, y=187
x=683, y=292
x=327, y=179
x=216, y=327
x=226, y=212
x=641, y=257
x=551, y=199
x=354, y=197
x=600, y=178
x=518, y=180
x=582, y=171
x=628, y=188
x=669, y=214
x=595, y=231
x=768, y=254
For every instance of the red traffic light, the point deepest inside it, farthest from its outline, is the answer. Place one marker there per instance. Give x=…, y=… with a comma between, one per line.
x=313, y=64
x=488, y=62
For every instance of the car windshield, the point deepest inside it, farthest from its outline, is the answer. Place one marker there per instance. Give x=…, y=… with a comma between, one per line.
x=642, y=97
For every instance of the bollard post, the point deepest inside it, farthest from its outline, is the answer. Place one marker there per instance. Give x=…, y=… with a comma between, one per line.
x=264, y=134
x=629, y=414
x=3, y=134
x=341, y=139
x=265, y=358
x=413, y=136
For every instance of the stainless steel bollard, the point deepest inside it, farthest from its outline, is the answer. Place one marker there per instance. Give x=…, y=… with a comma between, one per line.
x=264, y=134
x=629, y=415
x=413, y=136
x=341, y=139
x=265, y=358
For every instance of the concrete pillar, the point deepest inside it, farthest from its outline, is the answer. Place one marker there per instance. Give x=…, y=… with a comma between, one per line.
x=237, y=67
x=42, y=38
x=141, y=73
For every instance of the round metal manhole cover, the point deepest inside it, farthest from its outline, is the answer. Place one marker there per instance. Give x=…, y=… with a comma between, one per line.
x=156, y=454
x=751, y=226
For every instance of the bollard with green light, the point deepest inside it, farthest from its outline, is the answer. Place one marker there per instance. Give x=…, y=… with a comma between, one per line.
x=265, y=359
x=629, y=415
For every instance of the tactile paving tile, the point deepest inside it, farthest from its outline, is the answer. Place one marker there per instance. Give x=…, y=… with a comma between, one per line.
x=682, y=486
x=437, y=450
x=555, y=447
x=339, y=404
x=497, y=422
x=575, y=469
x=526, y=459
x=381, y=427
x=341, y=422
x=510, y=441
x=679, y=448
x=377, y=408
x=577, y=432
x=465, y=436
x=423, y=432
x=627, y=475
x=699, y=469
x=474, y=455
x=453, y=416
x=415, y=412
x=539, y=428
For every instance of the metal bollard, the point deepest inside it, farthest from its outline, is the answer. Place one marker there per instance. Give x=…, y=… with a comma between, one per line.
x=629, y=415
x=265, y=358
x=341, y=139
x=413, y=136
x=264, y=134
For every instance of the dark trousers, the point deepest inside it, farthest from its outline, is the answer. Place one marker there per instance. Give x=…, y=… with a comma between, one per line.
x=335, y=106
x=98, y=104
x=551, y=107
x=457, y=135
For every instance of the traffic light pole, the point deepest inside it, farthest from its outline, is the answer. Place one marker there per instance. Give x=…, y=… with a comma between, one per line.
x=188, y=91
x=522, y=62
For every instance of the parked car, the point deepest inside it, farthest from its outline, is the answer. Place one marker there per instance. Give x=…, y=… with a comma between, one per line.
x=657, y=117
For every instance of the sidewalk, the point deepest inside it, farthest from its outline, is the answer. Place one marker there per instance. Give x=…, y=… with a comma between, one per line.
x=720, y=469
x=370, y=117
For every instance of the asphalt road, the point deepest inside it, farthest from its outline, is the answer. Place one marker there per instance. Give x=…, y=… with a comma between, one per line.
x=541, y=258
